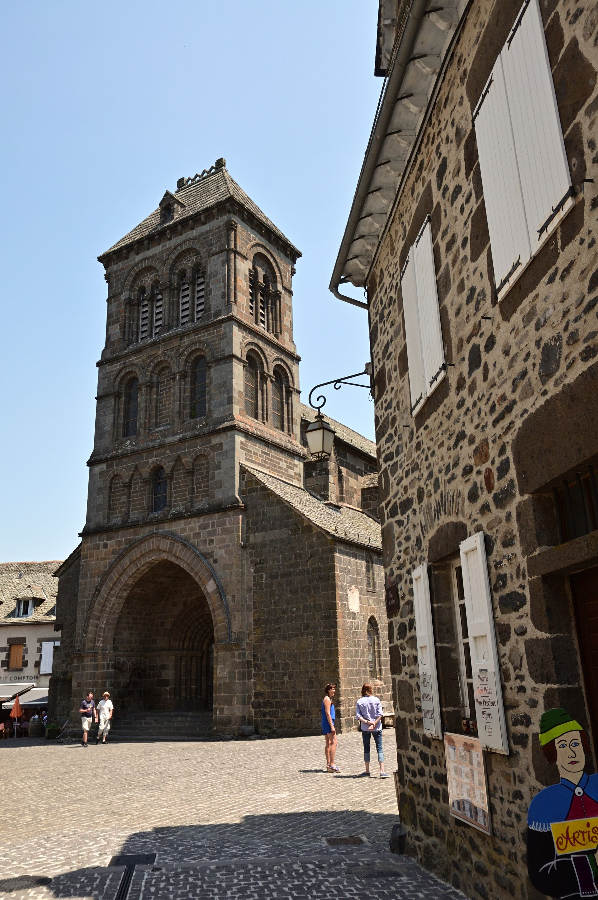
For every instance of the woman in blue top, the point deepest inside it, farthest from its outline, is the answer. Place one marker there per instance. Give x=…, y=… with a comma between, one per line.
x=328, y=729
x=368, y=712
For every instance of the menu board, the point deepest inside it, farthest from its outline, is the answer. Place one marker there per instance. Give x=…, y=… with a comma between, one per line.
x=466, y=774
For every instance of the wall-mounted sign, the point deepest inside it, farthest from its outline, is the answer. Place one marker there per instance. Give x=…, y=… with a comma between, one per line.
x=466, y=774
x=392, y=599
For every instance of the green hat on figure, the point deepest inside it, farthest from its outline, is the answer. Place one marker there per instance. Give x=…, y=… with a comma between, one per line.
x=554, y=723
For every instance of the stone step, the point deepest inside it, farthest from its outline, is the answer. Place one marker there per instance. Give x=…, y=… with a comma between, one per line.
x=164, y=725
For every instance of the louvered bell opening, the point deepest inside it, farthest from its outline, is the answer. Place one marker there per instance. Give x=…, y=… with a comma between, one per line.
x=144, y=319
x=184, y=303
x=158, y=313
x=199, y=297
x=251, y=401
x=277, y=405
x=252, y=292
x=262, y=309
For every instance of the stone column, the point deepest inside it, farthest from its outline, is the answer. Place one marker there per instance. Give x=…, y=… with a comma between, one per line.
x=231, y=262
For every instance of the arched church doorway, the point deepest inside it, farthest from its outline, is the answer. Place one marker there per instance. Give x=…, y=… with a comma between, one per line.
x=163, y=649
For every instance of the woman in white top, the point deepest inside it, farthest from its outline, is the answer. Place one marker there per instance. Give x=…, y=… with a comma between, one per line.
x=368, y=712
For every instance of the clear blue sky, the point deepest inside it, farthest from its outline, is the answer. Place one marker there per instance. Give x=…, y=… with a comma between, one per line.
x=104, y=105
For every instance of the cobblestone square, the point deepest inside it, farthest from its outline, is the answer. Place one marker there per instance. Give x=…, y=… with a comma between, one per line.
x=239, y=819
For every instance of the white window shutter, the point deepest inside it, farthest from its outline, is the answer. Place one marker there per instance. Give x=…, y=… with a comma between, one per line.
x=507, y=223
x=417, y=381
x=429, y=314
x=426, y=652
x=485, y=666
x=541, y=157
x=45, y=666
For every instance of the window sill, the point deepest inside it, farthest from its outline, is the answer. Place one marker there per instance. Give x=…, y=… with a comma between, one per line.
x=500, y=295
x=417, y=409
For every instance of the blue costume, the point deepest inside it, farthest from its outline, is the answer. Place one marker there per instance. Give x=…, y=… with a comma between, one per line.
x=572, y=875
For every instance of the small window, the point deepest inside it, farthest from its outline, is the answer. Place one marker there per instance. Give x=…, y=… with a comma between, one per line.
x=199, y=388
x=251, y=387
x=576, y=503
x=15, y=658
x=369, y=572
x=160, y=491
x=373, y=649
x=24, y=608
x=200, y=290
x=131, y=403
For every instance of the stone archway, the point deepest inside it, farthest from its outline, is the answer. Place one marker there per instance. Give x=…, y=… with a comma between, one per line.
x=154, y=620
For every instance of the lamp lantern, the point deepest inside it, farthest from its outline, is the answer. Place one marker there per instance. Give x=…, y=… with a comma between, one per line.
x=320, y=437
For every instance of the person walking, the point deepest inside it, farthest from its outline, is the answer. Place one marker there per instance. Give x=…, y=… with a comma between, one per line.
x=369, y=714
x=328, y=729
x=105, y=710
x=88, y=714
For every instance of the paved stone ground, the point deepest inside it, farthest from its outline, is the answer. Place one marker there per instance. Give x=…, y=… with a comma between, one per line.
x=233, y=819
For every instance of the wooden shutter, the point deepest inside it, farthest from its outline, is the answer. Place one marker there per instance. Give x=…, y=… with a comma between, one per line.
x=507, y=223
x=15, y=657
x=482, y=645
x=543, y=166
x=426, y=652
x=47, y=657
x=429, y=314
x=417, y=381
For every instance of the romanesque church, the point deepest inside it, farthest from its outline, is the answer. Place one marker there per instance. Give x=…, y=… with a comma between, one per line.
x=223, y=576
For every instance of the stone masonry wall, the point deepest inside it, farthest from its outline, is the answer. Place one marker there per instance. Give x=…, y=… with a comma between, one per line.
x=294, y=614
x=360, y=599
x=450, y=471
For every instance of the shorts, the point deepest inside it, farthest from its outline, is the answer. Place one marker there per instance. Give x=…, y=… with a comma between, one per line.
x=85, y=723
x=104, y=725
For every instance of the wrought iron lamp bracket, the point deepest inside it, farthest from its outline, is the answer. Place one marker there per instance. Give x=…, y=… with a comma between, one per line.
x=337, y=383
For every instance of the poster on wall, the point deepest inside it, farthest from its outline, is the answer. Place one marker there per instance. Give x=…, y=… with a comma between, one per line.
x=466, y=775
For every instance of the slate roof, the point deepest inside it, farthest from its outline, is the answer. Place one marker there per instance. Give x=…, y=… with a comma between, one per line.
x=341, y=522
x=205, y=190
x=347, y=435
x=20, y=580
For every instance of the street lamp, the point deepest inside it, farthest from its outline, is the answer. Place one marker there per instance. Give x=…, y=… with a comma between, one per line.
x=319, y=433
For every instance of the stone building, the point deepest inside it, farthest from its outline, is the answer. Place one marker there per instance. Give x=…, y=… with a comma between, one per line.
x=28, y=636
x=473, y=229
x=223, y=577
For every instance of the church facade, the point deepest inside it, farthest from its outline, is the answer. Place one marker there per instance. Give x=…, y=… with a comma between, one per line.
x=223, y=577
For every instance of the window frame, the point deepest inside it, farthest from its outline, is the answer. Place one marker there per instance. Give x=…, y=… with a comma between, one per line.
x=465, y=680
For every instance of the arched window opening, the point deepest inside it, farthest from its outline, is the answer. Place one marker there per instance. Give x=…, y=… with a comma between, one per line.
x=200, y=289
x=262, y=305
x=158, y=310
x=369, y=572
x=279, y=400
x=373, y=649
x=199, y=398
x=160, y=491
x=143, y=315
x=251, y=387
x=131, y=405
x=184, y=301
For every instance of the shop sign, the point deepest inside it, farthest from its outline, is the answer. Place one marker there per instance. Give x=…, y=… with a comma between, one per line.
x=466, y=776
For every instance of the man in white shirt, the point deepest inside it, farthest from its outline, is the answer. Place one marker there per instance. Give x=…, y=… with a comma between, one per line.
x=105, y=709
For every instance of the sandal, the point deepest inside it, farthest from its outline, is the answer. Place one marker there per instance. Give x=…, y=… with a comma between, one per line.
x=334, y=768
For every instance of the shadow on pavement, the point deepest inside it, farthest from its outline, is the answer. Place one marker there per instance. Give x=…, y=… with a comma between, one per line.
x=265, y=856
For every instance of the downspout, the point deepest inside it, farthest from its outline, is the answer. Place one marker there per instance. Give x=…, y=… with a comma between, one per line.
x=417, y=13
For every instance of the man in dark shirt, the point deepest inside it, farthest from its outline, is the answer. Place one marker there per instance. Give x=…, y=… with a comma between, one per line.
x=88, y=715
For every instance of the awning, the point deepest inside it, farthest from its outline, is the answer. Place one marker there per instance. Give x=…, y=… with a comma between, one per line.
x=34, y=697
x=8, y=691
